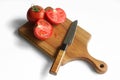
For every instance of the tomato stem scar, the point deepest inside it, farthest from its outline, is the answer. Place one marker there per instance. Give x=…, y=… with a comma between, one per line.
x=34, y=8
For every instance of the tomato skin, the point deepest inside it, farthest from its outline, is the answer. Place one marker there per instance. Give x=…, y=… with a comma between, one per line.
x=35, y=13
x=55, y=16
x=43, y=29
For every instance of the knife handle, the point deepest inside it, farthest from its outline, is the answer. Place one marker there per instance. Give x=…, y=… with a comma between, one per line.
x=57, y=62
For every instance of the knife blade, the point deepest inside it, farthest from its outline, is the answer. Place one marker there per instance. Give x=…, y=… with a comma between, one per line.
x=67, y=41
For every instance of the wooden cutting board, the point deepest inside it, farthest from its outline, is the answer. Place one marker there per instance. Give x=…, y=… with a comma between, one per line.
x=77, y=50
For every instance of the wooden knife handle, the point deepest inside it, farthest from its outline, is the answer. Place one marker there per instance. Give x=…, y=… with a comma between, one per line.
x=57, y=62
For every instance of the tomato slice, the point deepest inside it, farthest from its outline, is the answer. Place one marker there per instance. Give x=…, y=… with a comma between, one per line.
x=43, y=29
x=56, y=16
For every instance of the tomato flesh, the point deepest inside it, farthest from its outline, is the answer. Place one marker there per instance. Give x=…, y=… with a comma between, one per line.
x=56, y=16
x=35, y=13
x=43, y=29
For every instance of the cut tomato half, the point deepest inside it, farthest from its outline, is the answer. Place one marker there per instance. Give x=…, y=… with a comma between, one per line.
x=55, y=16
x=43, y=29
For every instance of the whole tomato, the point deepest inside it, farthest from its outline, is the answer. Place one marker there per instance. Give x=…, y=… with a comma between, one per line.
x=43, y=29
x=35, y=13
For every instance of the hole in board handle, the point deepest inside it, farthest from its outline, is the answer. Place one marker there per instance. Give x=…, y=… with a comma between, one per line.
x=101, y=65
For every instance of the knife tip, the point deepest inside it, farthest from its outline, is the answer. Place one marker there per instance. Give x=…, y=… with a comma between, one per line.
x=76, y=21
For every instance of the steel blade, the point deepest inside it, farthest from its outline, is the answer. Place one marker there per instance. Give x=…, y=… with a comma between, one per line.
x=70, y=34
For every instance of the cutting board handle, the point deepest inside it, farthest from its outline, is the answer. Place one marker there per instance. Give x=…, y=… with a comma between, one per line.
x=100, y=66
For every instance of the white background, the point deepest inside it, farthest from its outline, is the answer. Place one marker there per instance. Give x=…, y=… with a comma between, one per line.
x=19, y=60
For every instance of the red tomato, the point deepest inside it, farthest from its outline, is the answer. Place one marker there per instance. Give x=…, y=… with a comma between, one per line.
x=55, y=16
x=35, y=13
x=43, y=29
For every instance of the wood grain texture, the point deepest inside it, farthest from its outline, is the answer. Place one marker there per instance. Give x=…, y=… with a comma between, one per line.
x=77, y=50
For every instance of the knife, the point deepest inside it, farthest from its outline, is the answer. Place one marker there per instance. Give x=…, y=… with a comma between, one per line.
x=67, y=41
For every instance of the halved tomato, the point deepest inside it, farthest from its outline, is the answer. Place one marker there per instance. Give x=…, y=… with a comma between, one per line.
x=35, y=13
x=43, y=29
x=55, y=16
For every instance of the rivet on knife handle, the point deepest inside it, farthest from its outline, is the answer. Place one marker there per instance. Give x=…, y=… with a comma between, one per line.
x=68, y=40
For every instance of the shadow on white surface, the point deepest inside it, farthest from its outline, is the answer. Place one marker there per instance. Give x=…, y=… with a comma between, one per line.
x=15, y=24
x=23, y=43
